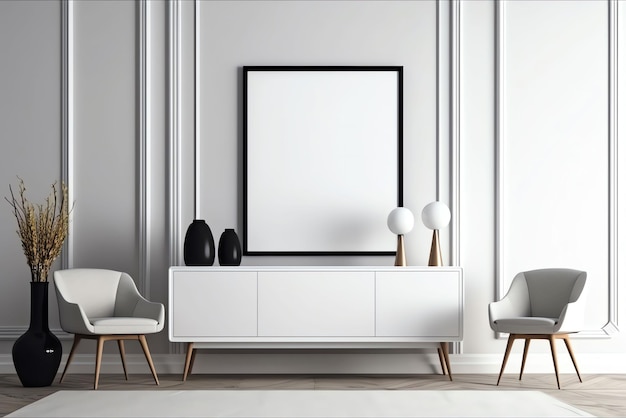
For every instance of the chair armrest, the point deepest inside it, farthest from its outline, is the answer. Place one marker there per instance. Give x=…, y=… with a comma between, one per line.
x=505, y=308
x=73, y=318
x=572, y=318
x=514, y=304
x=152, y=310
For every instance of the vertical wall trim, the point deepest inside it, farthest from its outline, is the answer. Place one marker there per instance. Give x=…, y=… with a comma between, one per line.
x=499, y=152
x=455, y=131
x=455, y=141
x=448, y=61
x=448, y=50
x=174, y=129
x=612, y=325
x=174, y=122
x=67, y=120
x=143, y=127
x=438, y=88
x=612, y=120
x=438, y=92
x=196, y=110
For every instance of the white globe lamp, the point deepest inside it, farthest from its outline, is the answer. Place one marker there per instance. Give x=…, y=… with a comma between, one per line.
x=400, y=221
x=435, y=216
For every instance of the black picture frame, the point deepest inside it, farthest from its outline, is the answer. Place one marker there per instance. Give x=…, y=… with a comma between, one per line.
x=322, y=159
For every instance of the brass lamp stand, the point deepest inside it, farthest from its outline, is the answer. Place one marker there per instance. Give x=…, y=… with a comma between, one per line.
x=435, y=251
x=400, y=254
x=400, y=221
x=435, y=216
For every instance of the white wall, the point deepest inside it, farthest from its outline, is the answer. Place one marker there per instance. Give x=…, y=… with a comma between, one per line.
x=104, y=145
x=313, y=33
x=555, y=127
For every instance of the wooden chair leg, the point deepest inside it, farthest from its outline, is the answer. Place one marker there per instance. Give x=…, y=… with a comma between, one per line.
x=120, y=344
x=446, y=358
x=556, y=366
x=526, y=345
x=146, y=351
x=571, y=354
x=98, y=360
x=77, y=339
x=188, y=360
x=509, y=344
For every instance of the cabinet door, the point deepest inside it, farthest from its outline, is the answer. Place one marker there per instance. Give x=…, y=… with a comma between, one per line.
x=214, y=304
x=316, y=304
x=419, y=304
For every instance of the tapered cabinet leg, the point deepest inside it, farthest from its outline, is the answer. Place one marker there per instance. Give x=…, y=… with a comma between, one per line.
x=509, y=344
x=193, y=360
x=442, y=361
x=444, y=350
x=188, y=360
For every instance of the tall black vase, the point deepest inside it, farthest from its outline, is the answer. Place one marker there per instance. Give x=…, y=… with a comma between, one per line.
x=229, y=249
x=199, y=247
x=37, y=353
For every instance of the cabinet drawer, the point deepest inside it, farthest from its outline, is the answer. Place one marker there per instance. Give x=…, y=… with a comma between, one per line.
x=214, y=304
x=419, y=304
x=316, y=304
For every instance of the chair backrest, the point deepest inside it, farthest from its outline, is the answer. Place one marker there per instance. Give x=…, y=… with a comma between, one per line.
x=100, y=292
x=549, y=290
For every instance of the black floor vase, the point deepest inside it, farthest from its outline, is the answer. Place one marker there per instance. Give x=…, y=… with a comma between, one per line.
x=37, y=353
x=199, y=247
x=229, y=249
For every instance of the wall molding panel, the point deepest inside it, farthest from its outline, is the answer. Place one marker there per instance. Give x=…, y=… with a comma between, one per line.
x=143, y=112
x=507, y=186
x=174, y=139
x=448, y=118
x=455, y=132
x=67, y=19
x=611, y=326
x=174, y=122
x=67, y=118
x=143, y=143
x=448, y=124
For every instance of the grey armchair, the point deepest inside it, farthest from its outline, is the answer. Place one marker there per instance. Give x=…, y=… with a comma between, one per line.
x=105, y=305
x=541, y=304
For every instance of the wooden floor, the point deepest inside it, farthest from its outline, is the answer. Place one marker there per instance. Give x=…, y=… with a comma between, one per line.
x=601, y=395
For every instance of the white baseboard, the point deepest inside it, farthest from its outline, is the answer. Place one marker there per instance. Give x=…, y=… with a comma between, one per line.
x=338, y=363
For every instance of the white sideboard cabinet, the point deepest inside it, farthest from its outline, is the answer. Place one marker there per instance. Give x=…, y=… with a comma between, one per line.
x=316, y=307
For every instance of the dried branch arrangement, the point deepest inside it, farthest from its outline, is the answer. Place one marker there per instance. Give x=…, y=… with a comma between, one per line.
x=41, y=228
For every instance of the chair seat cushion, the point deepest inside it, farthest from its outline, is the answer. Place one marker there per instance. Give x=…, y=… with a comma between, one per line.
x=124, y=325
x=526, y=325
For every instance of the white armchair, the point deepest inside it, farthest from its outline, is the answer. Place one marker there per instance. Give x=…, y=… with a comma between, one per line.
x=105, y=305
x=541, y=304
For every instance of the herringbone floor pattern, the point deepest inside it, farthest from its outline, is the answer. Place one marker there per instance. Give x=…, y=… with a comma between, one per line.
x=601, y=395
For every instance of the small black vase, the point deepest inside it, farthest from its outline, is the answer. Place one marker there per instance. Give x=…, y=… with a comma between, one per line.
x=229, y=249
x=37, y=353
x=199, y=247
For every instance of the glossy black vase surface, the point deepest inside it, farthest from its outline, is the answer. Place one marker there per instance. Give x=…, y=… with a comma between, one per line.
x=229, y=249
x=37, y=353
x=199, y=247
